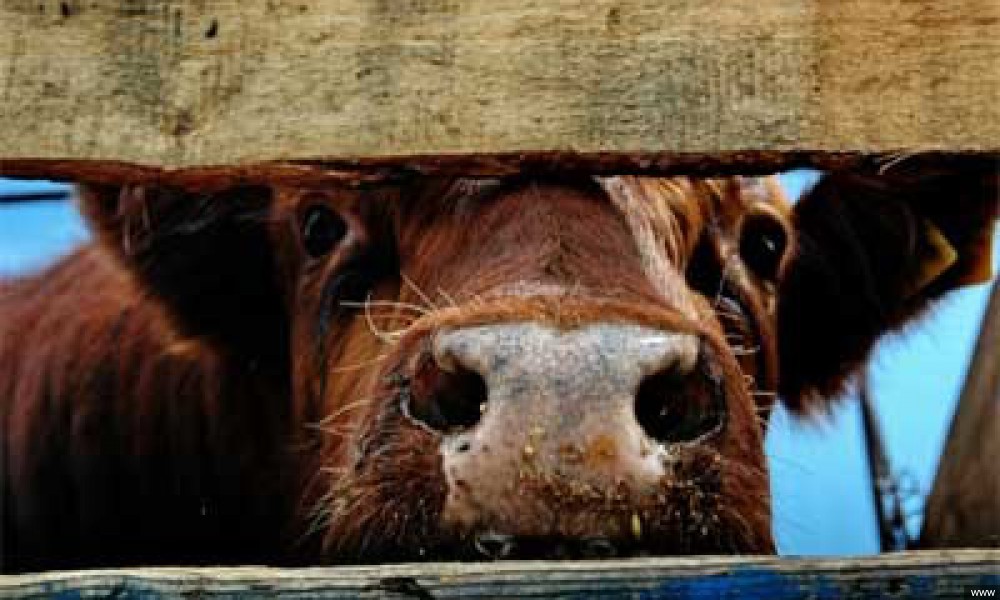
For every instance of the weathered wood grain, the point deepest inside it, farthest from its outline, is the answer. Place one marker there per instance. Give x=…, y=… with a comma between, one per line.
x=963, y=509
x=924, y=575
x=619, y=84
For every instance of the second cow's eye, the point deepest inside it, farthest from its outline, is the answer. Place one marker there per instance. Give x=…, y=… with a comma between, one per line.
x=322, y=230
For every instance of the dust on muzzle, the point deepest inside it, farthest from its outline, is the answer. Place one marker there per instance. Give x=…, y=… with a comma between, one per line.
x=550, y=434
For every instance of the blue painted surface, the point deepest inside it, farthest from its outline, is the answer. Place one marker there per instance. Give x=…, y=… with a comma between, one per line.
x=822, y=501
x=762, y=582
x=740, y=582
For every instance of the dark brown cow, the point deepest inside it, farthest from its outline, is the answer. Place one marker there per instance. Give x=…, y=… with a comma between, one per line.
x=449, y=368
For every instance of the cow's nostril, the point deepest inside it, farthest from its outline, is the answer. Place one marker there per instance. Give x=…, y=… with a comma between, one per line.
x=446, y=400
x=672, y=406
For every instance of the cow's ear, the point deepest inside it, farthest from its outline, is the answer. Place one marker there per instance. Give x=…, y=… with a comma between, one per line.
x=206, y=257
x=873, y=249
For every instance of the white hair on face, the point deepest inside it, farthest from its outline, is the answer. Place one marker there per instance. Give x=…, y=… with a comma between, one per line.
x=650, y=207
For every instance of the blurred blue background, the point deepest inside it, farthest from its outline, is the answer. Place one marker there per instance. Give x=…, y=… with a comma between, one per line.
x=822, y=497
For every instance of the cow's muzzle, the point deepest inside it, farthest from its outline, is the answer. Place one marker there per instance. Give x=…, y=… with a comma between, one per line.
x=560, y=434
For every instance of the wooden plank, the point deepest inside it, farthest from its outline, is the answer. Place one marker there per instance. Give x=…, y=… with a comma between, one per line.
x=924, y=575
x=609, y=84
x=963, y=509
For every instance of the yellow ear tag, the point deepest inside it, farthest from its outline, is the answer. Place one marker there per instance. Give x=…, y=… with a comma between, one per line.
x=936, y=255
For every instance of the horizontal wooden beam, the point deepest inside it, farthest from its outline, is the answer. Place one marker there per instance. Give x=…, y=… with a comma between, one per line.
x=924, y=575
x=610, y=84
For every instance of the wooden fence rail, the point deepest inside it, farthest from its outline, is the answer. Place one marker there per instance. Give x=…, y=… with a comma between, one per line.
x=924, y=575
x=489, y=85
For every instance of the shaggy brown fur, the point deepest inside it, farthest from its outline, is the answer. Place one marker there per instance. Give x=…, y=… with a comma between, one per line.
x=195, y=387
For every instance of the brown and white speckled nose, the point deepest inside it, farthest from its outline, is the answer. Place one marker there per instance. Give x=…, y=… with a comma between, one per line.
x=529, y=413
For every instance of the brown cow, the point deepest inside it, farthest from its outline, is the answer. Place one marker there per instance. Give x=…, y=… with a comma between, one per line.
x=524, y=367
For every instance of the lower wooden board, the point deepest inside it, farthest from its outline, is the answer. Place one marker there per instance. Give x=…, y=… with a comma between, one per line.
x=924, y=574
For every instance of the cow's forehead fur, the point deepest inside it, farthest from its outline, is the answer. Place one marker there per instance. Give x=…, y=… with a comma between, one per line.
x=674, y=207
x=666, y=216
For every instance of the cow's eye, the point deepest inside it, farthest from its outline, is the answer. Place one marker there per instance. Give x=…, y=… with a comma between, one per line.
x=762, y=245
x=322, y=230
